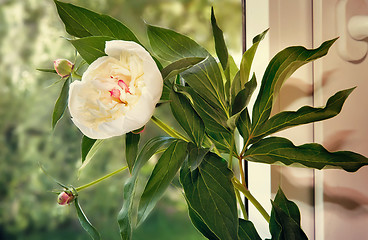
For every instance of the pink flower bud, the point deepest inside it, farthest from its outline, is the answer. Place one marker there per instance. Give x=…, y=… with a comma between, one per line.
x=65, y=198
x=63, y=67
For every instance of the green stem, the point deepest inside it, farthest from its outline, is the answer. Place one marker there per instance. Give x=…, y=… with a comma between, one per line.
x=237, y=194
x=230, y=166
x=172, y=132
x=100, y=179
x=251, y=198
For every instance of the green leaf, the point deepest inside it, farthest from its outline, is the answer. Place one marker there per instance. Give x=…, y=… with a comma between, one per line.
x=61, y=103
x=163, y=173
x=196, y=155
x=312, y=155
x=86, y=146
x=248, y=56
x=92, y=150
x=241, y=101
x=179, y=66
x=91, y=48
x=197, y=221
x=87, y=226
x=210, y=194
x=131, y=148
x=285, y=219
x=214, y=121
x=243, y=124
x=279, y=69
x=187, y=117
x=230, y=73
x=304, y=115
x=220, y=45
x=247, y=231
x=205, y=77
x=125, y=217
x=81, y=22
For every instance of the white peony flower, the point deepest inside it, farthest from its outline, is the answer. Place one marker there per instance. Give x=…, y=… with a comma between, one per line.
x=117, y=93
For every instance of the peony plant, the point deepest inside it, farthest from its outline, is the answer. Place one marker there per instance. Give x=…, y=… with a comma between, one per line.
x=209, y=98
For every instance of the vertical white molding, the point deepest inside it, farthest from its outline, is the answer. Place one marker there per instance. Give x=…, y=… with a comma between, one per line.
x=257, y=20
x=318, y=127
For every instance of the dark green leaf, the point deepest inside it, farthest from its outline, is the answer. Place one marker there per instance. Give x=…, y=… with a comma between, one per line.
x=205, y=77
x=81, y=22
x=312, y=155
x=247, y=231
x=243, y=97
x=214, y=121
x=61, y=103
x=248, y=56
x=179, y=66
x=125, y=215
x=87, y=226
x=162, y=175
x=304, y=115
x=200, y=225
x=90, y=153
x=196, y=155
x=241, y=101
x=91, y=48
x=220, y=45
x=131, y=148
x=230, y=72
x=243, y=124
x=86, y=145
x=187, y=117
x=279, y=69
x=210, y=194
x=285, y=219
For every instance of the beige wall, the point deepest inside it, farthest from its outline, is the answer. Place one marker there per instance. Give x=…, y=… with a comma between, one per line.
x=341, y=210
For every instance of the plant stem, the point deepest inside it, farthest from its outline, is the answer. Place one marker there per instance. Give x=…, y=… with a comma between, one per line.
x=251, y=198
x=237, y=194
x=241, y=169
x=230, y=165
x=172, y=132
x=100, y=179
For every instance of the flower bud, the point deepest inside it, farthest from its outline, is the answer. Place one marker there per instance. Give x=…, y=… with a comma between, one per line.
x=63, y=67
x=65, y=198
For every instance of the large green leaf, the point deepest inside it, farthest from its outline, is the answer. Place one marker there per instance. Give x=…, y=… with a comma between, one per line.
x=131, y=148
x=312, y=155
x=126, y=213
x=89, y=149
x=197, y=221
x=279, y=69
x=210, y=194
x=247, y=231
x=179, y=66
x=187, y=117
x=285, y=219
x=162, y=175
x=81, y=22
x=304, y=115
x=87, y=226
x=91, y=48
x=220, y=45
x=205, y=77
x=61, y=103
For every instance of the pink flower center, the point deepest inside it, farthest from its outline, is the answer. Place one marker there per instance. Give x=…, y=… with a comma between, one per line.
x=115, y=92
